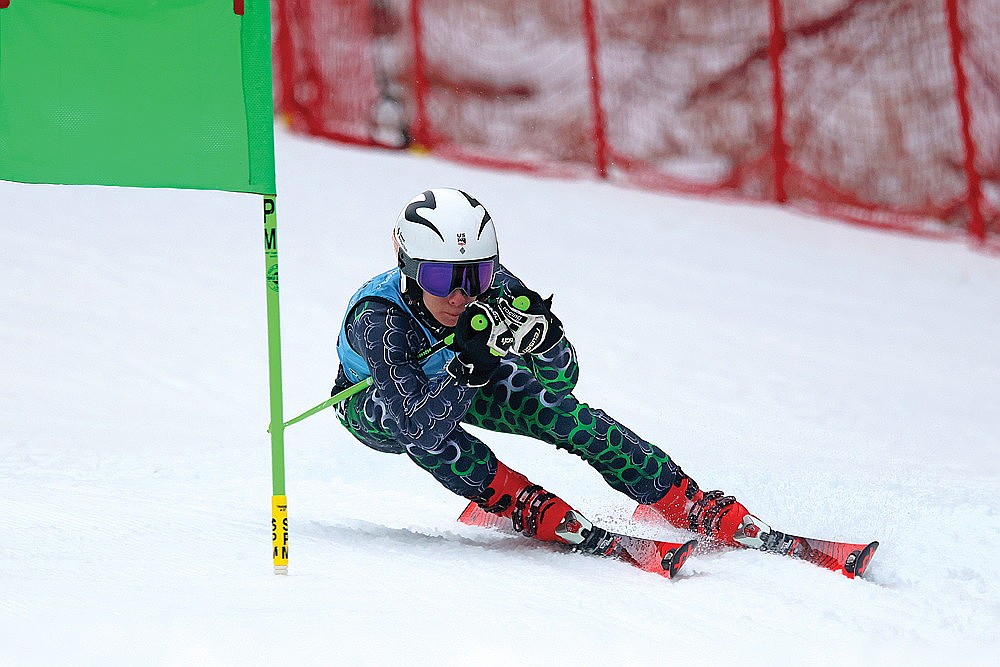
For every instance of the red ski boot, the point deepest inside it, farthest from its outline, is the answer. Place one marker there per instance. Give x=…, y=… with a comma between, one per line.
x=534, y=512
x=711, y=513
x=512, y=502
x=728, y=522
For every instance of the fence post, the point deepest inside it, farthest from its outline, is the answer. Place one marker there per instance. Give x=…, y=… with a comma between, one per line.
x=600, y=139
x=779, y=151
x=977, y=226
x=421, y=126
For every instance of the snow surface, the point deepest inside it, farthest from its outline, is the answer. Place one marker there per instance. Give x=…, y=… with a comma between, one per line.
x=842, y=382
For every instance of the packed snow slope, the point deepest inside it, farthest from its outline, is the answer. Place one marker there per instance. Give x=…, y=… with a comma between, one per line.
x=841, y=382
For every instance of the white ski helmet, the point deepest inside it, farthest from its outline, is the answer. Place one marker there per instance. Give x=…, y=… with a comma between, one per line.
x=446, y=240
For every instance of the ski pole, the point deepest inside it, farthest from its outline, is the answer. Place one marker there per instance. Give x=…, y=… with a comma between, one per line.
x=479, y=322
x=363, y=384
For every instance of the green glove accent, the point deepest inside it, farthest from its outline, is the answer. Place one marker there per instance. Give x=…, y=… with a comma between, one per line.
x=479, y=322
x=522, y=303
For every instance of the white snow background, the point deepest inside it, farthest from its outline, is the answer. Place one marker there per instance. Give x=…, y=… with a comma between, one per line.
x=842, y=382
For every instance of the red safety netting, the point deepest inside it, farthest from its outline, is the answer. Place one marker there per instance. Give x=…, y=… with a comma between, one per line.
x=979, y=23
x=686, y=87
x=871, y=122
x=325, y=59
x=510, y=86
x=885, y=112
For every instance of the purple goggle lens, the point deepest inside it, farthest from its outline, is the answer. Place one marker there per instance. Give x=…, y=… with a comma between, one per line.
x=443, y=278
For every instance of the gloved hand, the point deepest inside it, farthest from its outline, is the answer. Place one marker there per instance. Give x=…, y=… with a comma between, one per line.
x=482, y=339
x=534, y=328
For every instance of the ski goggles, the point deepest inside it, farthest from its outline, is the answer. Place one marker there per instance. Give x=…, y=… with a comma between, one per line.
x=442, y=278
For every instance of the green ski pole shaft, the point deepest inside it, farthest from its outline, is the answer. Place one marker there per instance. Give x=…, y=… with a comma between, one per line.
x=363, y=384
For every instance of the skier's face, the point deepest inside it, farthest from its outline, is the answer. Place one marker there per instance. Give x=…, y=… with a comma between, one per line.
x=446, y=309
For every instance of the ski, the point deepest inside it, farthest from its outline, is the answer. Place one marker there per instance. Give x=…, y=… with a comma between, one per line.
x=662, y=558
x=849, y=559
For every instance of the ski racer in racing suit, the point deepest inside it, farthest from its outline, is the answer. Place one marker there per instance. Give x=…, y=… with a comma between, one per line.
x=509, y=368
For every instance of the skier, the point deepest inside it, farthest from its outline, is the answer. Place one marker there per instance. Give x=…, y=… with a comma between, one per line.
x=509, y=368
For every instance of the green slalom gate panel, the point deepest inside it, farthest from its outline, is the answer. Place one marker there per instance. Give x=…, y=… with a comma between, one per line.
x=149, y=93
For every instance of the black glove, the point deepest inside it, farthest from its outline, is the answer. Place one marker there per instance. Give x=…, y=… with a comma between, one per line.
x=482, y=339
x=534, y=328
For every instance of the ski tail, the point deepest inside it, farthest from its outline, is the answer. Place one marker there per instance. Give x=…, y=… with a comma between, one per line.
x=662, y=558
x=474, y=515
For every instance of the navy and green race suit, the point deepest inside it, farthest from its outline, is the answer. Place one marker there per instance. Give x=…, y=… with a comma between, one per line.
x=416, y=407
